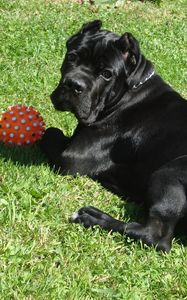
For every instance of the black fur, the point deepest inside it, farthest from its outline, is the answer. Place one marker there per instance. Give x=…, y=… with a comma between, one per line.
x=131, y=135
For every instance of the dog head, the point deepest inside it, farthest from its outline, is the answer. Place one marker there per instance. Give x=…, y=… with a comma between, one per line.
x=95, y=72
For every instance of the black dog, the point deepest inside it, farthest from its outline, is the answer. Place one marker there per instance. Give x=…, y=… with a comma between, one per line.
x=131, y=136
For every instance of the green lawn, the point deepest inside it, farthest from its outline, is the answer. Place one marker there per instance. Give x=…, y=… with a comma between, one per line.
x=42, y=255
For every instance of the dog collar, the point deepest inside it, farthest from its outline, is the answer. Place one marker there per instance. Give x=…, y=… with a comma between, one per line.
x=135, y=86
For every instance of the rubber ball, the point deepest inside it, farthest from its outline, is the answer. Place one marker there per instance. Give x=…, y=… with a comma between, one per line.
x=21, y=125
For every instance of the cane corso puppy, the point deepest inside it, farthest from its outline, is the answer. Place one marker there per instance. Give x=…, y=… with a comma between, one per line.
x=131, y=134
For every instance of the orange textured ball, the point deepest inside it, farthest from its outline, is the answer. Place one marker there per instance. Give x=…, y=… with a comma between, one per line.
x=21, y=125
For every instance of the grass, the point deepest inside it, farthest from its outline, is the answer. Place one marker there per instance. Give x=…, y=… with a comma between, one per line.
x=42, y=255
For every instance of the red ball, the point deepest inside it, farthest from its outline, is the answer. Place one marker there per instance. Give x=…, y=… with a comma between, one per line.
x=21, y=125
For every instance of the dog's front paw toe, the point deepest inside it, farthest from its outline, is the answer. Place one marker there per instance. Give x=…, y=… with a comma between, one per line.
x=85, y=216
x=74, y=217
x=90, y=216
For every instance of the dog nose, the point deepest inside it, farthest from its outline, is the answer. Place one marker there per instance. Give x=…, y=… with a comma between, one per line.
x=76, y=85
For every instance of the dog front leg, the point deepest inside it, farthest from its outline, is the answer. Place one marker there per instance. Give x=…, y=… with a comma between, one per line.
x=68, y=155
x=167, y=200
x=150, y=234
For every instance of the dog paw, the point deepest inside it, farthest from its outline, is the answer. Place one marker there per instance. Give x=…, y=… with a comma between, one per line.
x=90, y=216
x=52, y=134
x=53, y=142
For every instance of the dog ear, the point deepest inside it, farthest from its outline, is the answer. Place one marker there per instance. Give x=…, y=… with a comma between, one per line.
x=129, y=47
x=92, y=27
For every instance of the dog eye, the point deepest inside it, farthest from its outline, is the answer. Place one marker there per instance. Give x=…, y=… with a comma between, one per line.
x=72, y=56
x=106, y=74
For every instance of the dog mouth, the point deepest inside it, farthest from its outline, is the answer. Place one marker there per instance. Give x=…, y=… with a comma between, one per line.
x=78, y=104
x=76, y=95
x=79, y=95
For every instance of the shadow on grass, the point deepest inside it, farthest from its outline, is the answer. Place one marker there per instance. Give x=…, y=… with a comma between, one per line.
x=25, y=156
